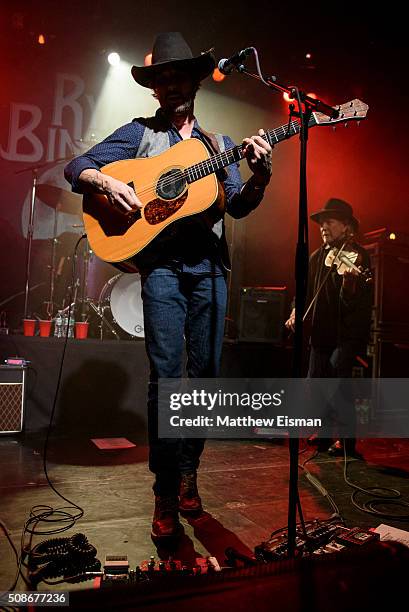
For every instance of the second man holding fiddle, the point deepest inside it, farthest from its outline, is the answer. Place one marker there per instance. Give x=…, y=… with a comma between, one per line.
x=340, y=315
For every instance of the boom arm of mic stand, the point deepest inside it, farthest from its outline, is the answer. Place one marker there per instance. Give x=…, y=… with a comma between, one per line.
x=312, y=103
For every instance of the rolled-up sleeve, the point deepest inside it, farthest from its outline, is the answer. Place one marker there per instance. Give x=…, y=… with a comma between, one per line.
x=121, y=144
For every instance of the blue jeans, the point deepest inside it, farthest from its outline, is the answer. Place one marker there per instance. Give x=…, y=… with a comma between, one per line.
x=180, y=309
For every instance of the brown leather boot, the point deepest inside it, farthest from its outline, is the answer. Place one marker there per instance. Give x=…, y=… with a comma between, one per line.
x=165, y=523
x=189, y=499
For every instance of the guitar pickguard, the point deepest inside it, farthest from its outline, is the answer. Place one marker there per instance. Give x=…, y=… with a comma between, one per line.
x=159, y=210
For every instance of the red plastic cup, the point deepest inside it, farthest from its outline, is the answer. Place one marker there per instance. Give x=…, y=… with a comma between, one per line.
x=81, y=329
x=45, y=328
x=29, y=326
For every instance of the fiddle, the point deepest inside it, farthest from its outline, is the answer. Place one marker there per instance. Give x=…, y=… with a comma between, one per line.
x=346, y=259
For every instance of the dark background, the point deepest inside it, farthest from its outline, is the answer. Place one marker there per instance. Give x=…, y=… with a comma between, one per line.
x=358, y=51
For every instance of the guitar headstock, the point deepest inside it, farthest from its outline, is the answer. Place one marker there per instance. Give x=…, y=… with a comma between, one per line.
x=355, y=109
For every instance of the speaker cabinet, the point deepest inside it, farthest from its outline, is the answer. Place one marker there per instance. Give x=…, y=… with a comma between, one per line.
x=262, y=311
x=391, y=359
x=390, y=265
x=12, y=395
x=389, y=253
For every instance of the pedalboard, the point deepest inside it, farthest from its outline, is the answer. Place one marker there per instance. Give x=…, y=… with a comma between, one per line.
x=117, y=569
x=319, y=538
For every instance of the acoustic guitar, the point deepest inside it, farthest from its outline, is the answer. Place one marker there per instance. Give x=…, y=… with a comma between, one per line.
x=177, y=183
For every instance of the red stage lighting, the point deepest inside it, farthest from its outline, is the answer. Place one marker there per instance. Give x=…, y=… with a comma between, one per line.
x=218, y=76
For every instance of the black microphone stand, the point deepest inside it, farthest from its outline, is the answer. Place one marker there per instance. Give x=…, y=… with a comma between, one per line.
x=306, y=106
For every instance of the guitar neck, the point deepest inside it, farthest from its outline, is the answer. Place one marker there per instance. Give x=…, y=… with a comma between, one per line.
x=235, y=154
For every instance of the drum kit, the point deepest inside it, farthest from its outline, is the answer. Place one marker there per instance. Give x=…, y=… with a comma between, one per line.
x=111, y=303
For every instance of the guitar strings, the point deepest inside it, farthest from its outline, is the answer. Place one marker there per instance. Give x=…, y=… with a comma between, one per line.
x=204, y=164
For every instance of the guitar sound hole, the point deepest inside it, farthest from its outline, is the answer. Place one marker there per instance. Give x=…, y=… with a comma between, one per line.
x=171, y=184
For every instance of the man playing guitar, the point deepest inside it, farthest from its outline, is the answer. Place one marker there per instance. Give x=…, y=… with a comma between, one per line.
x=183, y=270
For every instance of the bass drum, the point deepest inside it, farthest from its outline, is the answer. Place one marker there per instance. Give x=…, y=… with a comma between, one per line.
x=122, y=296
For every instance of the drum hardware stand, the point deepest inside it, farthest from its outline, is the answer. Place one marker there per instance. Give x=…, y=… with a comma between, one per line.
x=30, y=233
x=85, y=300
x=50, y=304
x=100, y=312
x=85, y=272
x=70, y=307
x=69, y=293
x=30, y=228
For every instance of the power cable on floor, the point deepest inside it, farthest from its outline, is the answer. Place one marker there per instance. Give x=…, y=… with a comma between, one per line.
x=384, y=496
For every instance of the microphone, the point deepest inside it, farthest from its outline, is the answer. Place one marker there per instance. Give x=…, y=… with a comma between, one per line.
x=227, y=65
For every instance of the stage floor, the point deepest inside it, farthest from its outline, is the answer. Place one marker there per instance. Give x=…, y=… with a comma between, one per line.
x=244, y=487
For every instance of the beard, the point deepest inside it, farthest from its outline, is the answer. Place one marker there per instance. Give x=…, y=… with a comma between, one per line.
x=182, y=108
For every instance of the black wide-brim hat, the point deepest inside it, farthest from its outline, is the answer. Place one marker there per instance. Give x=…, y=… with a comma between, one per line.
x=171, y=50
x=336, y=209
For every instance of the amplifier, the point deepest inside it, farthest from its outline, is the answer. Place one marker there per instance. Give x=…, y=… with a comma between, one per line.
x=390, y=265
x=262, y=312
x=12, y=395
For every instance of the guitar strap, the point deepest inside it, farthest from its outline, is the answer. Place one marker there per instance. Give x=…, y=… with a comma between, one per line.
x=213, y=216
x=211, y=141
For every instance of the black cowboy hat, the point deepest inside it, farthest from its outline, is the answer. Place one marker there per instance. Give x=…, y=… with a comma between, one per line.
x=171, y=50
x=336, y=209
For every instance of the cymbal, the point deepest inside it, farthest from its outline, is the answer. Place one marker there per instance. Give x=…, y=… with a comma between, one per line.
x=60, y=199
x=47, y=163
